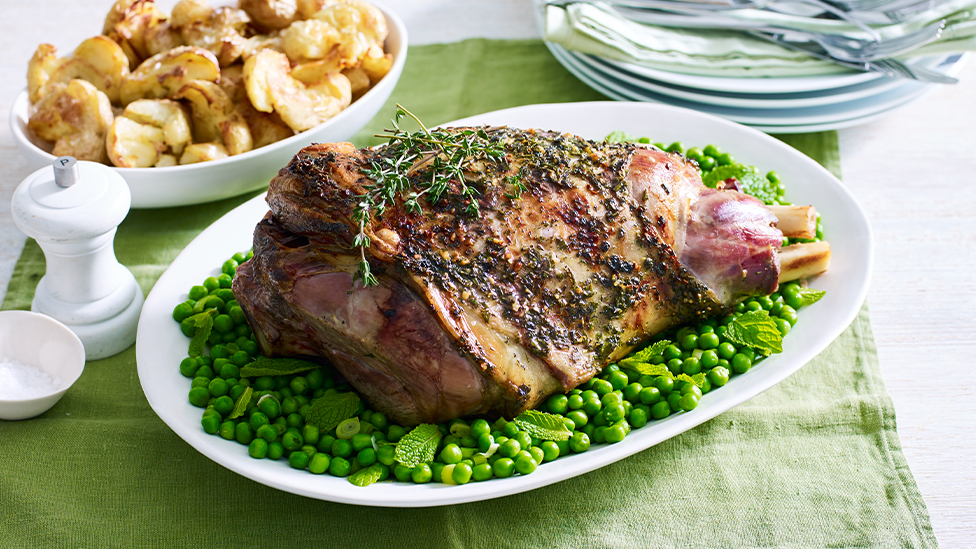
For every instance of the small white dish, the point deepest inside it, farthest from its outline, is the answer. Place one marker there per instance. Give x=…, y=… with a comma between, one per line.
x=218, y=179
x=40, y=341
x=160, y=345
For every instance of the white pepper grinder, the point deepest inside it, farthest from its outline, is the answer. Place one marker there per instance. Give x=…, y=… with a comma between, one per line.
x=73, y=211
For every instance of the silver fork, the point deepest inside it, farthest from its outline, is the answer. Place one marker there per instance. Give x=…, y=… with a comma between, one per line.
x=888, y=67
x=846, y=48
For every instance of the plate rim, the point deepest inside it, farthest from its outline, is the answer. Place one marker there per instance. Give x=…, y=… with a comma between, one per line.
x=157, y=316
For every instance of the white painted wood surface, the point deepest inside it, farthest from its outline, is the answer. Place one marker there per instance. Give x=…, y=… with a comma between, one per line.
x=914, y=172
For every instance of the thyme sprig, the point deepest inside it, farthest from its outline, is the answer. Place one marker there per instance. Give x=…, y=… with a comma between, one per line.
x=419, y=167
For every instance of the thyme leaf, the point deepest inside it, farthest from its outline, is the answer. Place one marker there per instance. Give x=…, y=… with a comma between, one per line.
x=422, y=169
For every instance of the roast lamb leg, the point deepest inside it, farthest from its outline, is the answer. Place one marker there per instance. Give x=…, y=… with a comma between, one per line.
x=577, y=251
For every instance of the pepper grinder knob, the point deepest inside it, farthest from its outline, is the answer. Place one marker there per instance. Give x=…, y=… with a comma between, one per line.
x=73, y=211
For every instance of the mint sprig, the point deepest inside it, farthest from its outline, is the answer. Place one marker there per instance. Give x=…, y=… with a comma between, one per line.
x=543, y=425
x=644, y=356
x=752, y=182
x=810, y=295
x=757, y=330
x=265, y=366
x=331, y=409
x=203, y=322
x=418, y=446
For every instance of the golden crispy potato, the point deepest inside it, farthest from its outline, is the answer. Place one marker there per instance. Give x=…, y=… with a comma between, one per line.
x=358, y=80
x=127, y=24
x=232, y=82
x=168, y=116
x=215, y=118
x=165, y=161
x=165, y=73
x=270, y=86
x=314, y=71
x=266, y=128
x=134, y=145
x=308, y=8
x=219, y=30
x=203, y=152
x=376, y=64
x=76, y=117
x=39, y=69
x=162, y=37
x=190, y=11
x=269, y=15
x=97, y=60
x=260, y=42
x=361, y=16
x=309, y=40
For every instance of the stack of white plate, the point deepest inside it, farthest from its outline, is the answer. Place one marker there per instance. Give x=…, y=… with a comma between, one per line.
x=773, y=105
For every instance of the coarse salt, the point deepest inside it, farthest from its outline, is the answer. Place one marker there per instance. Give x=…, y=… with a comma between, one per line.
x=21, y=381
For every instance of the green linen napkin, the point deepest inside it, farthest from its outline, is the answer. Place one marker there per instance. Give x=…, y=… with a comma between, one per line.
x=813, y=462
x=597, y=29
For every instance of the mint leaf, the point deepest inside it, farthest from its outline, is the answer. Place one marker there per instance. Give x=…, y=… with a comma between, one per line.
x=644, y=368
x=644, y=356
x=265, y=366
x=204, y=325
x=755, y=329
x=367, y=476
x=418, y=446
x=698, y=379
x=331, y=409
x=543, y=425
x=620, y=137
x=241, y=405
x=750, y=180
x=810, y=295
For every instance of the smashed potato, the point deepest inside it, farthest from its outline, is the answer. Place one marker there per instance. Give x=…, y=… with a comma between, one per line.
x=203, y=152
x=204, y=82
x=214, y=117
x=270, y=86
x=168, y=116
x=165, y=73
x=76, y=117
x=127, y=24
x=219, y=30
x=269, y=15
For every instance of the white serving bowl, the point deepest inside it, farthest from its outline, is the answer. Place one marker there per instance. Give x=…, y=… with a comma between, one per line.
x=218, y=179
x=40, y=341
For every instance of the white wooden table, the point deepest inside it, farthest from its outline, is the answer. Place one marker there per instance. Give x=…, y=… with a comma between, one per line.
x=914, y=172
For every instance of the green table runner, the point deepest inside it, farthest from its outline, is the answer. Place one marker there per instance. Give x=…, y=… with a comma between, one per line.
x=813, y=462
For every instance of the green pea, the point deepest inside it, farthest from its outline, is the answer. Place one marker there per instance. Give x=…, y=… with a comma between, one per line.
x=574, y=402
x=510, y=429
x=689, y=341
x=665, y=385
x=674, y=365
x=298, y=385
x=243, y=433
x=310, y=433
x=229, y=267
x=525, y=465
x=319, y=463
x=691, y=366
x=579, y=442
x=462, y=473
x=650, y=395
x=509, y=448
x=360, y=441
x=578, y=417
x=618, y=380
x=660, y=410
x=275, y=450
x=600, y=434
x=524, y=439
x=783, y=326
x=480, y=427
x=481, y=472
x=395, y=432
x=637, y=418
x=339, y=467
x=538, y=454
x=224, y=405
x=725, y=159
x=293, y=440
x=689, y=402
x=210, y=424
x=199, y=396
x=718, y=376
x=615, y=433
x=708, y=341
x=366, y=456
x=671, y=351
x=614, y=412
x=189, y=367
x=558, y=404
x=182, y=311
x=421, y=474
x=726, y=351
x=225, y=280
x=379, y=420
x=386, y=455
x=258, y=448
x=674, y=401
x=240, y=358
x=198, y=292
x=741, y=363
x=227, y=430
x=602, y=387
x=592, y=406
x=550, y=450
x=632, y=392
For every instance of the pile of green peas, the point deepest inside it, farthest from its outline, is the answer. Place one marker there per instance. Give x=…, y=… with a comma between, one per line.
x=602, y=410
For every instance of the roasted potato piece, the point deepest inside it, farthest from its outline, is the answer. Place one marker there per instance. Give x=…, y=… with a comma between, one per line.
x=166, y=160
x=127, y=24
x=270, y=86
x=309, y=40
x=376, y=64
x=266, y=128
x=232, y=82
x=260, y=42
x=44, y=62
x=215, y=118
x=365, y=18
x=269, y=15
x=314, y=71
x=308, y=8
x=218, y=30
x=165, y=73
x=168, y=116
x=358, y=80
x=76, y=117
x=162, y=37
x=134, y=145
x=203, y=152
x=98, y=60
